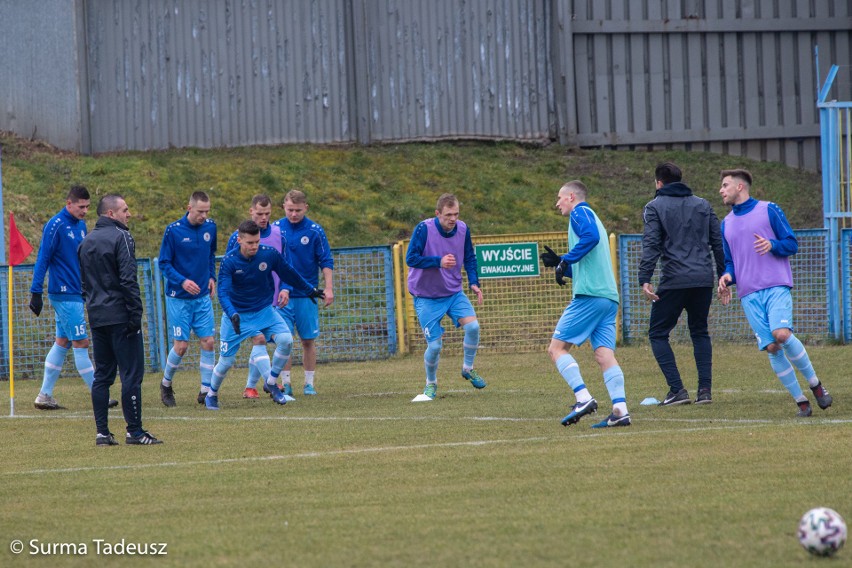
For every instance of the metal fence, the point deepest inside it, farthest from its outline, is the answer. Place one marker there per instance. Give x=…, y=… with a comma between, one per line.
x=33, y=336
x=517, y=315
x=728, y=323
x=359, y=326
x=846, y=292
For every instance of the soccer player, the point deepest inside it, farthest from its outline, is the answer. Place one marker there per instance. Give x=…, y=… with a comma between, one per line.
x=683, y=231
x=245, y=286
x=111, y=287
x=758, y=243
x=592, y=311
x=309, y=252
x=270, y=235
x=61, y=236
x=439, y=247
x=188, y=261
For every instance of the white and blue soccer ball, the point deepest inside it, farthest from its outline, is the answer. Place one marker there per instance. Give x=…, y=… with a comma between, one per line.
x=822, y=531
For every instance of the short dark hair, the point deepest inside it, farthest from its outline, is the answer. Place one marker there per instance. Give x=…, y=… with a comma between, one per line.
x=578, y=187
x=667, y=173
x=248, y=227
x=108, y=202
x=261, y=199
x=199, y=196
x=739, y=173
x=446, y=200
x=77, y=193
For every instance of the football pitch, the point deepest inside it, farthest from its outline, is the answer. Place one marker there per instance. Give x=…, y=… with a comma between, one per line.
x=361, y=476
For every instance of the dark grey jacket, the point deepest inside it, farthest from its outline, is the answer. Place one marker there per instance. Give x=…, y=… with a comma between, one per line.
x=108, y=268
x=683, y=232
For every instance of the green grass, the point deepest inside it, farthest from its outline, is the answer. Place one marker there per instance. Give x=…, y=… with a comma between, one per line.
x=359, y=476
x=376, y=195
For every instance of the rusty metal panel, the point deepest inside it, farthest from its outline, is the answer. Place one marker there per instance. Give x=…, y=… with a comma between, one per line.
x=451, y=69
x=217, y=73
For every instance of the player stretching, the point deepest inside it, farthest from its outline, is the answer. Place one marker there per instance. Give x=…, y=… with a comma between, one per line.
x=751, y=230
x=245, y=286
x=592, y=312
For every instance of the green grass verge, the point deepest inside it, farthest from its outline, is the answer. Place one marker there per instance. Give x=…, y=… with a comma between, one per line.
x=376, y=195
x=359, y=476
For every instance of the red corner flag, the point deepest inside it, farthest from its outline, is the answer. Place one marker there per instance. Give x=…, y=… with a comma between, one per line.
x=19, y=248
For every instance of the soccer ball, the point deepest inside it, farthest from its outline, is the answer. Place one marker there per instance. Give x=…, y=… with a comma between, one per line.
x=822, y=531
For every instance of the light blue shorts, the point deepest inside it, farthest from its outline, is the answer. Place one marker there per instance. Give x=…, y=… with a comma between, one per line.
x=264, y=322
x=588, y=317
x=430, y=312
x=189, y=315
x=767, y=310
x=301, y=315
x=70, y=320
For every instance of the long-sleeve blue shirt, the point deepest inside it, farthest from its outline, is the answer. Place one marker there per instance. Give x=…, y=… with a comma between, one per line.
x=415, y=259
x=188, y=252
x=307, y=247
x=584, y=226
x=785, y=243
x=58, y=254
x=246, y=284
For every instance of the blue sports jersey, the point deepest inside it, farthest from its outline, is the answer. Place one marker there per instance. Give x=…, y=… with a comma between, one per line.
x=188, y=252
x=58, y=255
x=308, y=249
x=785, y=244
x=415, y=258
x=246, y=284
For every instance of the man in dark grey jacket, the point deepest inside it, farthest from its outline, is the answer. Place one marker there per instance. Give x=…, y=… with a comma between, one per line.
x=683, y=232
x=110, y=287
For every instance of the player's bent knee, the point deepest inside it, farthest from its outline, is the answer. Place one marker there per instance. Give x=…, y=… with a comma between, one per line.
x=781, y=335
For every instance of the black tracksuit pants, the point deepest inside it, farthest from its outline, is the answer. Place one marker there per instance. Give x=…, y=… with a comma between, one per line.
x=664, y=315
x=114, y=350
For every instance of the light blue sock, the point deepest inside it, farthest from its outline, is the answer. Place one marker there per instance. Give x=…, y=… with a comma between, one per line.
x=471, y=342
x=570, y=371
x=253, y=375
x=205, y=365
x=614, y=381
x=431, y=358
x=798, y=356
x=260, y=359
x=219, y=372
x=283, y=347
x=784, y=370
x=84, y=365
x=52, y=367
x=172, y=364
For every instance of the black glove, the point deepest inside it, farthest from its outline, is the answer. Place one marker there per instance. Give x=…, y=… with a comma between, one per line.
x=133, y=327
x=36, y=303
x=316, y=293
x=549, y=258
x=235, y=323
x=560, y=271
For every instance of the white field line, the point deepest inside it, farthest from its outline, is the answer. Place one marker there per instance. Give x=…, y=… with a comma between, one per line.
x=733, y=425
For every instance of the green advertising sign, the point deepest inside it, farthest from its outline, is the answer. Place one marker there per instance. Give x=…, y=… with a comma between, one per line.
x=509, y=260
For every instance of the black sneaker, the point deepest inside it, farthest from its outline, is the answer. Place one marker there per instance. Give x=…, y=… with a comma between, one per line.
x=143, y=439
x=675, y=398
x=167, y=395
x=804, y=409
x=112, y=403
x=579, y=410
x=704, y=397
x=108, y=440
x=201, y=396
x=823, y=399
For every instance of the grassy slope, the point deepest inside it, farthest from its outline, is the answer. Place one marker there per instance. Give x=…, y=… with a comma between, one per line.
x=375, y=195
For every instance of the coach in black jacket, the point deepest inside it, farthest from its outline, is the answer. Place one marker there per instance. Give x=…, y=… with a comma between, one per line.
x=683, y=231
x=114, y=304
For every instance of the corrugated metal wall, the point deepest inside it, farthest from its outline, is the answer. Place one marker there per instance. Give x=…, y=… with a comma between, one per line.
x=39, y=63
x=450, y=68
x=216, y=73
x=730, y=76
